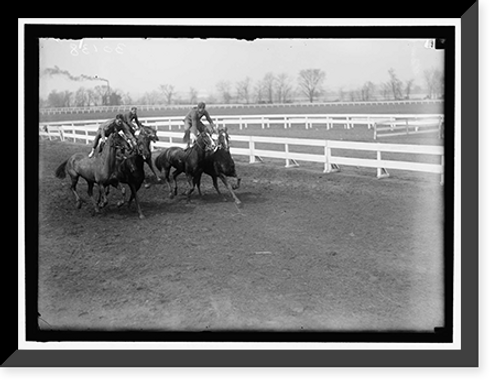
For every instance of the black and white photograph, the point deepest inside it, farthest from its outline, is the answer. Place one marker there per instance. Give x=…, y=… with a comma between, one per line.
x=223, y=184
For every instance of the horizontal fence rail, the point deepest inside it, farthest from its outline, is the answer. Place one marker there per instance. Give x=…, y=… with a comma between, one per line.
x=382, y=124
x=331, y=154
x=159, y=107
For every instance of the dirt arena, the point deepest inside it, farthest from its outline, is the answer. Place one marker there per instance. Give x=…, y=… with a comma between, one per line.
x=307, y=250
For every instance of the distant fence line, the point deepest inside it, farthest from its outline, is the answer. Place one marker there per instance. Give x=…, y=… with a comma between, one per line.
x=311, y=150
x=160, y=107
x=382, y=124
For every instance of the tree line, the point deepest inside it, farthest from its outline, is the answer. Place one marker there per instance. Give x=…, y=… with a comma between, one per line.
x=272, y=88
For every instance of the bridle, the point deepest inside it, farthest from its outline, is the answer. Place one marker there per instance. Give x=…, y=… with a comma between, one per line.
x=206, y=145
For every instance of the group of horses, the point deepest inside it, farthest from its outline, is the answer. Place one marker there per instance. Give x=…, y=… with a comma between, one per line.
x=118, y=162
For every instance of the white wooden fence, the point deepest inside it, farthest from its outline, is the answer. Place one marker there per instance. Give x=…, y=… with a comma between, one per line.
x=431, y=122
x=325, y=152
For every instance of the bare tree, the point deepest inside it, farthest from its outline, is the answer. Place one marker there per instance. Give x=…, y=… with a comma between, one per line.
x=352, y=95
x=408, y=86
x=386, y=90
x=396, y=85
x=168, y=91
x=269, y=83
x=101, y=92
x=81, y=98
x=243, y=90
x=310, y=82
x=259, y=92
x=150, y=98
x=224, y=88
x=341, y=94
x=283, y=88
x=193, y=95
x=434, y=81
x=367, y=91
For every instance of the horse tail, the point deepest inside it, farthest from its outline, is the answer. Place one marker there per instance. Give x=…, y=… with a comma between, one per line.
x=61, y=170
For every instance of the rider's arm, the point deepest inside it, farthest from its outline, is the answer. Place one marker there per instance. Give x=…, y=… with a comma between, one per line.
x=209, y=119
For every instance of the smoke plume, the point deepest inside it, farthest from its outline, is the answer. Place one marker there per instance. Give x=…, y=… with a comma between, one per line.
x=55, y=71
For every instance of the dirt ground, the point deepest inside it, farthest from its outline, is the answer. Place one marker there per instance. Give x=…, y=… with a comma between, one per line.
x=307, y=250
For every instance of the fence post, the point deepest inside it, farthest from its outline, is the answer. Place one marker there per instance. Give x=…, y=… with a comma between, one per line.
x=375, y=130
x=442, y=174
x=87, y=140
x=74, y=132
x=251, y=145
x=381, y=171
x=262, y=122
x=328, y=166
x=289, y=161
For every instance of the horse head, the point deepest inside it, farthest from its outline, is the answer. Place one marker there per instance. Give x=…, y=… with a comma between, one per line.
x=144, y=139
x=122, y=148
x=223, y=138
x=150, y=133
x=205, y=142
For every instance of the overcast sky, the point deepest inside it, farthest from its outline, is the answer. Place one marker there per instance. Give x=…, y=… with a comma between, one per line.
x=140, y=65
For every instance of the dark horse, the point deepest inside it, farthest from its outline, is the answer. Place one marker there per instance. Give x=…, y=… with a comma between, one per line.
x=99, y=169
x=220, y=164
x=130, y=169
x=187, y=161
x=151, y=134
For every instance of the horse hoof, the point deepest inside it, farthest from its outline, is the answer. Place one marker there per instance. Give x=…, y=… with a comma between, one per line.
x=147, y=186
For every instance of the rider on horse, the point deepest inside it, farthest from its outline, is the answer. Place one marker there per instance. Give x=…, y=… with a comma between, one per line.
x=193, y=125
x=105, y=129
x=132, y=120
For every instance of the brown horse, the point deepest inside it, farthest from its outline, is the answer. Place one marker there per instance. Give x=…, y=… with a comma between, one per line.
x=187, y=161
x=221, y=165
x=130, y=169
x=99, y=169
x=150, y=133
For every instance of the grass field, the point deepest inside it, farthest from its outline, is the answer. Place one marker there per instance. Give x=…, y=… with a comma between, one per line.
x=424, y=108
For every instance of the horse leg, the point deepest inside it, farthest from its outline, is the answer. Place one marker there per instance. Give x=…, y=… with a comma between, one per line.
x=150, y=164
x=175, y=175
x=103, y=196
x=122, y=201
x=74, y=181
x=238, y=180
x=197, y=183
x=171, y=194
x=90, y=192
x=216, y=184
x=190, y=180
x=229, y=188
x=133, y=195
